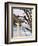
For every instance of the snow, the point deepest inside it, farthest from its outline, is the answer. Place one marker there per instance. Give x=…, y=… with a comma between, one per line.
x=18, y=12
x=22, y=31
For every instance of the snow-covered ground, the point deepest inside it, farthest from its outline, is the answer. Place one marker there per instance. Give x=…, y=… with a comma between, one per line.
x=21, y=31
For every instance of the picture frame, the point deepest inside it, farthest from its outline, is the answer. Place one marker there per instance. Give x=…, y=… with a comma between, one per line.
x=20, y=22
